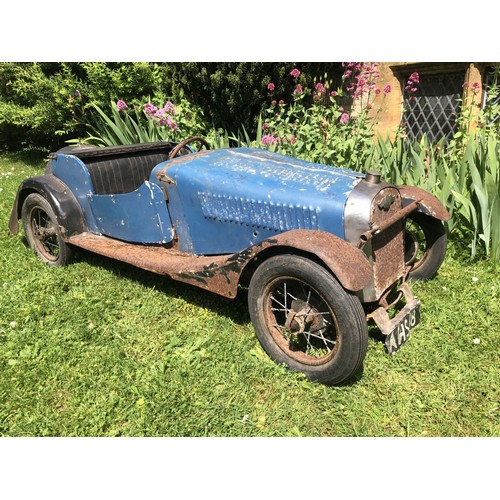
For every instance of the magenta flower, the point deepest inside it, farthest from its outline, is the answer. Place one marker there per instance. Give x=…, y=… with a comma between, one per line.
x=344, y=118
x=298, y=89
x=414, y=77
x=267, y=140
x=387, y=89
x=475, y=87
x=172, y=124
x=270, y=87
x=295, y=73
x=170, y=108
x=121, y=105
x=150, y=109
x=320, y=87
x=281, y=102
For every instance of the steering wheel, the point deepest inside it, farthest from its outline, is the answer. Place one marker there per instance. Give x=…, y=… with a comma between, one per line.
x=182, y=144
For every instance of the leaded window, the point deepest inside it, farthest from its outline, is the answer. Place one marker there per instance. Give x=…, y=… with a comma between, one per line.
x=434, y=107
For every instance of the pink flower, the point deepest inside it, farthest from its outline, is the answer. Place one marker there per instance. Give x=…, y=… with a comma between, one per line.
x=344, y=118
x=268, y=139
x=298, y=89
x=273, y=102
x=172, y=125
x=150, y=109
x=265, y=126
x=387, y=89
x=320, y=87
x=270, y=87
x=414, y=77
x=295, y=73
x=281, y=102
x=475, y=87
x=121, y=105
x=333, y=93
x=170, y=108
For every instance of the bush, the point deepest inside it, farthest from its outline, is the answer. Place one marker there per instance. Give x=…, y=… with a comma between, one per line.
x=233, y=94
x=43, y=104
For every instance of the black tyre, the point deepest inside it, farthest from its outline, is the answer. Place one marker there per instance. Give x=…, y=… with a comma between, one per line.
x=42, y=231
x=304, y=318
x=425, y=245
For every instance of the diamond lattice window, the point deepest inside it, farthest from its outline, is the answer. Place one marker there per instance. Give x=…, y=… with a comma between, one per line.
x=435, y=106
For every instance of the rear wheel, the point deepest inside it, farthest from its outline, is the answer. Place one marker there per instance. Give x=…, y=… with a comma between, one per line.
x=43, y=233
x=425, y=245
x=304, y=318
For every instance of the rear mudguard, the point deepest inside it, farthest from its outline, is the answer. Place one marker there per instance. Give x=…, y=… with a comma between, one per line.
x=67, y=210
x=429, y=204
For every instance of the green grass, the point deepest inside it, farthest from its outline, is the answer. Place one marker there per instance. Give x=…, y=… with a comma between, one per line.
x=102, y=349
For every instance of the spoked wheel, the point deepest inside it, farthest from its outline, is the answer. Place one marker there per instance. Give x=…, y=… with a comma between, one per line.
x=304, y=318
x=42, y=231
x=425, y=245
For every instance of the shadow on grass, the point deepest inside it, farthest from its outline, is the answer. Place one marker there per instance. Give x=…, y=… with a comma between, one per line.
x=236, y=309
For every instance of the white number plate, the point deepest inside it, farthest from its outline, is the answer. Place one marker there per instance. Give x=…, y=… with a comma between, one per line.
x=401, y=332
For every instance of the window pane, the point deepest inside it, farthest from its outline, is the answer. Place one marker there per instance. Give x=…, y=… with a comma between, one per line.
x=435, y=106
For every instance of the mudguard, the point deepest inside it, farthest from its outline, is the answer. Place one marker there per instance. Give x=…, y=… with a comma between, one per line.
x=429, y=204
x=66, y=208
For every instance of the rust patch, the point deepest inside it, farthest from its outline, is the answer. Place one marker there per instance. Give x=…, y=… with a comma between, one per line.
x=388, y=244
x=220, y=274
x=430, y=204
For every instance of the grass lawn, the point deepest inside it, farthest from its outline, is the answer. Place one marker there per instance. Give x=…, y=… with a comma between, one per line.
x=102, y=349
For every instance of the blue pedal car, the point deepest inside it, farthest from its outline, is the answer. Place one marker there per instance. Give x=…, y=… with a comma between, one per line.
x=322, y=250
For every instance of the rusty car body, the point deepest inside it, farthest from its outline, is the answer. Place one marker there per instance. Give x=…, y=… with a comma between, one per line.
x=322, y=250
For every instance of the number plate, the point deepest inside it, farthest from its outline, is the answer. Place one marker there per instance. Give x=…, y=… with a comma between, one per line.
x=399, y=335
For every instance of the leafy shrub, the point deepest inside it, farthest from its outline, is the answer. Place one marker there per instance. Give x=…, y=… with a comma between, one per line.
x=233, y=94
x=42, y=104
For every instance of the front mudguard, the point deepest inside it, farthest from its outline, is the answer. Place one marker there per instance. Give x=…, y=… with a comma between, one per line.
x=429, y=204
x=66, y=208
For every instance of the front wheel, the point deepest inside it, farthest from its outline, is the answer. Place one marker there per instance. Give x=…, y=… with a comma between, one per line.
x=304, y=318
x=425, y=245
x=43, y=233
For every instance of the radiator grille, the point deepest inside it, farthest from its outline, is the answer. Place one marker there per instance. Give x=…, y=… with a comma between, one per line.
x=388, y=246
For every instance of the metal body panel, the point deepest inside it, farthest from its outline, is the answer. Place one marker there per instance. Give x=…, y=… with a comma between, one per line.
x=140, y=216
x=72, y=171
x=428, y=205
x=229, y=199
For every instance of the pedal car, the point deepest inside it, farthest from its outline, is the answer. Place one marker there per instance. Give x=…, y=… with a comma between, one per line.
x=322, y=250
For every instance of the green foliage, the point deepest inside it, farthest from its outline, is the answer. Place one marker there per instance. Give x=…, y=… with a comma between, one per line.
x=42, y=104
x=233, y=94
x=467, y=182
x=322, y=123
